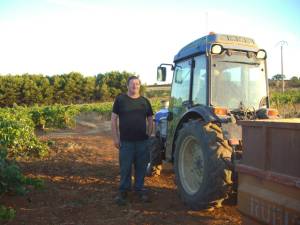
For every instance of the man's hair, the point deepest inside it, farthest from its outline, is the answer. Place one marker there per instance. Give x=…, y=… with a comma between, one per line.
x=132, y=78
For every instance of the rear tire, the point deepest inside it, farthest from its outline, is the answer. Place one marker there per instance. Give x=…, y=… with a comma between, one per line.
x=202, y=165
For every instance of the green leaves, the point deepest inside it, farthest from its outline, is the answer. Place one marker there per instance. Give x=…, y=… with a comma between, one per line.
x=56, y=116
x=288, y=97
x=13, y=181
x=7, y=213
x=11, y=178
x=287, y=101
x=17, y=134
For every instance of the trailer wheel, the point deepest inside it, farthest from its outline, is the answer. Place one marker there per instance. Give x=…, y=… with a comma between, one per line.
x=202, y=165
x=155, y=163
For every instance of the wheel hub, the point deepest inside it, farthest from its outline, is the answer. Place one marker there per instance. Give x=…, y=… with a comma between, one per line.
x=191, y=165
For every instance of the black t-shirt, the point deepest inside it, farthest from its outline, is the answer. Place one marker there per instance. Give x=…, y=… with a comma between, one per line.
x=132, y=114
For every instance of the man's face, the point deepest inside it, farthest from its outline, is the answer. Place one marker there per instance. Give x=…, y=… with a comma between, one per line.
x=134, y=86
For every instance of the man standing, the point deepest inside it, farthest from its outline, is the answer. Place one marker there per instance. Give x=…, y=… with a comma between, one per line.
x=130, y=137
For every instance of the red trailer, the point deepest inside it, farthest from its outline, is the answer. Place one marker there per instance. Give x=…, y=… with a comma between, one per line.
x=269, y=174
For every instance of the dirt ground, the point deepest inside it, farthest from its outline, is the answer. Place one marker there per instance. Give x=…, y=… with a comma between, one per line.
x=81, y=181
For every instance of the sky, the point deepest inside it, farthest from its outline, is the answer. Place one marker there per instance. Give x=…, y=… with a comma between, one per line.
x=96, y=36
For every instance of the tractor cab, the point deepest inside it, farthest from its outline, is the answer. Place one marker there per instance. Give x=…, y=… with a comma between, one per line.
x=219, y=71
x=218, y=78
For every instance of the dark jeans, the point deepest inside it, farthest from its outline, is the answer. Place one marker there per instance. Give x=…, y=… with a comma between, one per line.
x=136, y=153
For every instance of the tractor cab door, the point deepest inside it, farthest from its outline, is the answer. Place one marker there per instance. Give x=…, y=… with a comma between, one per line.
x=189, y=89
x=180, y=99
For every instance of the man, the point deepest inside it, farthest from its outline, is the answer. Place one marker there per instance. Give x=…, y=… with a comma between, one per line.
x=130, y=137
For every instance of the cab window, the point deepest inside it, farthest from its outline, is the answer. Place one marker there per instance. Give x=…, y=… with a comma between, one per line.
x=181, y=82
x=200, y=81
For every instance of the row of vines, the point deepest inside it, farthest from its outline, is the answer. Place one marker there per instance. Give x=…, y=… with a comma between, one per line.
x=287, y=103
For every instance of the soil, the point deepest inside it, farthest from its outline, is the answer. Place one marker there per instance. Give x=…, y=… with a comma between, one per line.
x=81, y=180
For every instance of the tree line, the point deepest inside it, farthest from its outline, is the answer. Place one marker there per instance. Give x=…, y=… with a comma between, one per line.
x=276, y=82
x=71, y=88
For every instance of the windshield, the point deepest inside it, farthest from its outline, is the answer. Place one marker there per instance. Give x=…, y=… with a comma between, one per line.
x=237, y=81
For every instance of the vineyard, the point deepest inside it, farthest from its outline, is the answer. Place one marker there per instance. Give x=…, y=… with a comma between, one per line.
x=20, y=124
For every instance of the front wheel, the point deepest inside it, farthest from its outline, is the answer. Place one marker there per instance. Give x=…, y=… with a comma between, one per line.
x=201, y=164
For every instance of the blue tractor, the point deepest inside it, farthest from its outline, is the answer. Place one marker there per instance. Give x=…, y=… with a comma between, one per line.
x=218, y=80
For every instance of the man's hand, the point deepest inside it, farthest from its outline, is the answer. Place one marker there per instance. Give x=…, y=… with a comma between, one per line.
x=117, y=143
x=114, y=129
x=150, y=126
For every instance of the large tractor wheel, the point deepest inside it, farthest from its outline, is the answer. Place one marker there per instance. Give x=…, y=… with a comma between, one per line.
x=202, y=165
x=155, y=149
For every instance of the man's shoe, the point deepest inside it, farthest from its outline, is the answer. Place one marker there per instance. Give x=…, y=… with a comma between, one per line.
x=121, y=199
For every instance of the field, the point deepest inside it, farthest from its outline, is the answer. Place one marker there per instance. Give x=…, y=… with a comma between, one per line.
x=81, y=180
x=67, y=151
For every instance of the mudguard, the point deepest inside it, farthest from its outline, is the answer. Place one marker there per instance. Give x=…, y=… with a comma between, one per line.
x=197, y=112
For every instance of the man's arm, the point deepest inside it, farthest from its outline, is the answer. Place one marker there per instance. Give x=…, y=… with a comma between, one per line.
x=115, y=130
x=150, y=125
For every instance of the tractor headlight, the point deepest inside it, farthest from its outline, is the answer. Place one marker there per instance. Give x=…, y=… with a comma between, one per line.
x=216, y=49
x=261, y=54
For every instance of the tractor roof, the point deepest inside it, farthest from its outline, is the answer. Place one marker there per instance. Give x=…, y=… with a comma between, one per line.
x=204, y=44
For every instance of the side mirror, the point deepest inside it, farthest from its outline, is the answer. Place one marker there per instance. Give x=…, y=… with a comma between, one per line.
x=161, y=73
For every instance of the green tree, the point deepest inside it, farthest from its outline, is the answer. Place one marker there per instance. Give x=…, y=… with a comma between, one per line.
x=99, y=82
x=104, y=92
x=29, y=90
x=73, y=87
x=58, y=84
x=10, y=90
x=294, y=82
x=278, y=77
x=46, y=89
x=88, y=89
